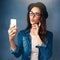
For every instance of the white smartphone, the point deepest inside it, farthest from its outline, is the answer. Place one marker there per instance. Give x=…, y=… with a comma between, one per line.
x=12, y=22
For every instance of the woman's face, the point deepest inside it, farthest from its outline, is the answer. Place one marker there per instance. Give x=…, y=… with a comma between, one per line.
x=35, y=15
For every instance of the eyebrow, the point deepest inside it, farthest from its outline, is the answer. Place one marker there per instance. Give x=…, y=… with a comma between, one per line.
x=35, y=12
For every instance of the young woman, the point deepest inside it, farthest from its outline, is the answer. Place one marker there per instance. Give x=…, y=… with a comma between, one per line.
x=35, y=42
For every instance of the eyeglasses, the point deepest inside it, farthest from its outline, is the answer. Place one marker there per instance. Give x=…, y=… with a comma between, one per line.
x=34, y=14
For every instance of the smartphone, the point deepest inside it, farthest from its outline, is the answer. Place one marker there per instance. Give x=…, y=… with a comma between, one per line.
x=12, y=22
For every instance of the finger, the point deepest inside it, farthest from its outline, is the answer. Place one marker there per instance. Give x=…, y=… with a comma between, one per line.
x=14, y=32
x=39, y=23
x=12, y=25
x=35, y=26
x=12, y=29
x=12, y=35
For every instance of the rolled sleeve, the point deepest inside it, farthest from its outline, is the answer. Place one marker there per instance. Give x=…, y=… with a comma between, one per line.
x=14, y=50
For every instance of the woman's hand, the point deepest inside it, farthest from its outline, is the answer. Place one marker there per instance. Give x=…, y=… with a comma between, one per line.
x=35, y=28
x=12, y=32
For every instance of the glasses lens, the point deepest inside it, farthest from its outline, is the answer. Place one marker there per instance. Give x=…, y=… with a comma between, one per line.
x=34, y=14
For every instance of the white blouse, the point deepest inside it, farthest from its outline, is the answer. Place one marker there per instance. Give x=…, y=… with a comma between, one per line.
x=34, y=51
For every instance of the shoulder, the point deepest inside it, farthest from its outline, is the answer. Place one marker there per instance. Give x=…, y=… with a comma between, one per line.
x=49, y=33
x=49, y=36
x=22, y=32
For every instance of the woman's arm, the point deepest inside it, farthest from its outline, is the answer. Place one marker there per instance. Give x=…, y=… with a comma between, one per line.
x=15, y=49
x=11, y=33
x=19, y=46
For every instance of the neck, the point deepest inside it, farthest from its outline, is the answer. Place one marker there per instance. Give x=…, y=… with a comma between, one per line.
x=33, y=32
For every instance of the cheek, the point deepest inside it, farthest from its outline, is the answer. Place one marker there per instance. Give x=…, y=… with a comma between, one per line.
x=30, y=17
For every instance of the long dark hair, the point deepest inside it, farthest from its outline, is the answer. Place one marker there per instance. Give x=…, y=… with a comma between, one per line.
x=44, y=15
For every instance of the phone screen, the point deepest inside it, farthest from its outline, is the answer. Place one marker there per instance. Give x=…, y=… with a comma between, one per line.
x=12, y=22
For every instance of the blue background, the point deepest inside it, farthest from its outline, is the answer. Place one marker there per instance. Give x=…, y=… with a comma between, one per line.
x=18, y=9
